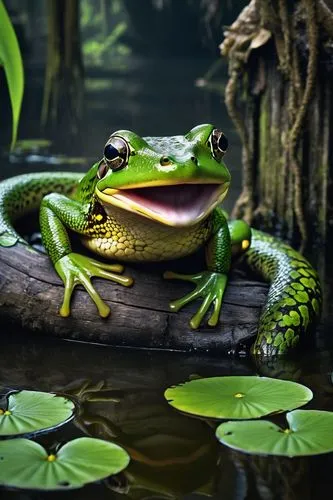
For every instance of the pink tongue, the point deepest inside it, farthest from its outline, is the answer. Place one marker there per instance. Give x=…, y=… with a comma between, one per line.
x=179, y=204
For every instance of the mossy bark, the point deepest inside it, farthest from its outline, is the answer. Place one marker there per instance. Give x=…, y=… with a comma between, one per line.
x=280, y=98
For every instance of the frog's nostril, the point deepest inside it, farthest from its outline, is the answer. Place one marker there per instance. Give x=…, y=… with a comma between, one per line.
x=165, y=160
x=194, y=159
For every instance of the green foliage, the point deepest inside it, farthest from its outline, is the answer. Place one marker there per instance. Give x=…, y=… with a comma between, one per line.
x=31, y=412
x=26, y=464
x=309, y=433
x=11, y=60
x=98, y=48
x=237, y=397
x=102, y=31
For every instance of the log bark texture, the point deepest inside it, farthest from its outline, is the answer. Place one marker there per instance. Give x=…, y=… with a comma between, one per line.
x=31, y=293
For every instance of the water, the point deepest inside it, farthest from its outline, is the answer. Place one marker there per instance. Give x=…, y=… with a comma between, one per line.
x=179, y=455
x=175, y=454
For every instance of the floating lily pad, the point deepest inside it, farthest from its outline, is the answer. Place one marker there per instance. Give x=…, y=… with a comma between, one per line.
x=237, y=397
x=31, y=411
x=26, y=464
x=309, y=433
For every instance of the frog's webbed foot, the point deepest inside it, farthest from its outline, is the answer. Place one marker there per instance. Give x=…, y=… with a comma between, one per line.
x=75, y=269
x=209, y=286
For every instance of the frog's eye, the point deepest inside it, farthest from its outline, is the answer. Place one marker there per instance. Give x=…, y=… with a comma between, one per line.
x=218, y=144
x=116, y=152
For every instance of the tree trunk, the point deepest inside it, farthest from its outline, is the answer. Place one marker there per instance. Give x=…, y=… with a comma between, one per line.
x=279, y=96
x=63, y=88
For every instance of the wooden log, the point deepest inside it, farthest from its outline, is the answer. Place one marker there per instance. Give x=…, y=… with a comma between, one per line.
x=31, y=293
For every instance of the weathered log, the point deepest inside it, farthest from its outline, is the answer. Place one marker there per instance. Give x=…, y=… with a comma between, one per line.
x=31, y=292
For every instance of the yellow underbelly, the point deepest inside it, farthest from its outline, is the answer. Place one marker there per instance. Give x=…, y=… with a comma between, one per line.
x=130, y=237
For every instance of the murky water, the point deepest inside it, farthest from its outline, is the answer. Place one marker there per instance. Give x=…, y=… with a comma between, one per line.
x=175, y=456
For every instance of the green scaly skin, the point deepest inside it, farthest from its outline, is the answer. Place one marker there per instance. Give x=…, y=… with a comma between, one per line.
x=22, y=194
x=294, y=297
x=119, y=220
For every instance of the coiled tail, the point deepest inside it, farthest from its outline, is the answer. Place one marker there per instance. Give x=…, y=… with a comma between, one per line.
x=294, y=299
x=23, y=193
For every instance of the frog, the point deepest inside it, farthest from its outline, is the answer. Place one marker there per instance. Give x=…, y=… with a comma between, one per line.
x=158, y=199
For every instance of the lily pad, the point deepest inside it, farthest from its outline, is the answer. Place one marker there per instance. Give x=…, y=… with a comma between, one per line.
x=29, y=412
x=26, y=464
x=309, y=433
x=237, y=397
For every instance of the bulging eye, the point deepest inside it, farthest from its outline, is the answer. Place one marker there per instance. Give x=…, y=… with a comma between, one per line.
x=218, y=144
x=116, y=152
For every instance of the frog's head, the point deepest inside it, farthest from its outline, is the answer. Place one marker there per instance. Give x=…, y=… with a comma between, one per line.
x=176, y=181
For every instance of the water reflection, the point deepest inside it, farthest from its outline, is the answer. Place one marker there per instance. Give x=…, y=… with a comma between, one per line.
x=121, y=394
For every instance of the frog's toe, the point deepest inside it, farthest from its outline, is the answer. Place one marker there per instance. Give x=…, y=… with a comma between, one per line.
x=170, y=275
x=116, y=268
x=65, y=309
x=199, y=315
x=214, y=318
x=122, y=280
x=110, y=272
x=175, y=305
x=102, y=307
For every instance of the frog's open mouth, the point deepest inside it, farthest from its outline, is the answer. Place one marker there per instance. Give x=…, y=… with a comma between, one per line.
x=174, y=205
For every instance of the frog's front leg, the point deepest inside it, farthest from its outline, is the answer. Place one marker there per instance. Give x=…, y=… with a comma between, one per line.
x=211, y=283
x=228, y=238
x=56, y=214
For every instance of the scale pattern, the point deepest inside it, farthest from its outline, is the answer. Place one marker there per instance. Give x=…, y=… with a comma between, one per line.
x=23, y=193
x=125, y=236
x=294, y=298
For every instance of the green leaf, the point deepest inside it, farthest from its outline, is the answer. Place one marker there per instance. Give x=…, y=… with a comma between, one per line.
x=309, y=433
x=11, y=60
x=31, y=411
x=26, y=464
x=237, y=397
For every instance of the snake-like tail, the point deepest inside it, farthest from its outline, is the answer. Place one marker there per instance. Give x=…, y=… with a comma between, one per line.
x=23, y=193
x=294, y=298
